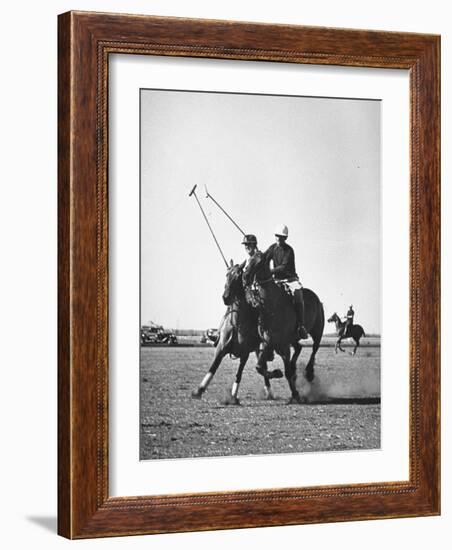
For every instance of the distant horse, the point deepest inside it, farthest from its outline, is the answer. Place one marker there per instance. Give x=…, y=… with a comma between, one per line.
x=278, y=324
x=355, y=331
x=238, y=336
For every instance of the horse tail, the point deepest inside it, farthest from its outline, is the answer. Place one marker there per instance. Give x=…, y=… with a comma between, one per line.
x=316, y=307
x=322, y=317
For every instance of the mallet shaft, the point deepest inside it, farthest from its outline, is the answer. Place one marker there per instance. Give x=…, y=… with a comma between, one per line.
x=209, y=196
x=208, y=224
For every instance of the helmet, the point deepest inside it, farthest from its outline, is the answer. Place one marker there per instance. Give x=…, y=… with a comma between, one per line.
x=249, y=239
x=281, y=231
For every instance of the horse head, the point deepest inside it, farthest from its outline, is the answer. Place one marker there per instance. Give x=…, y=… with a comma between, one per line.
x=334, y=318
x=256, y=269
x=233, y=287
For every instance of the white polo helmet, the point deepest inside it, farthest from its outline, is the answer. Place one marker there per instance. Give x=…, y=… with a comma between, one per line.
x=281, y=231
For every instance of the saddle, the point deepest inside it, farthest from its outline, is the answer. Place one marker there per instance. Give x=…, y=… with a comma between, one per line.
x=283, y=284
x=346, y=331
x=290, y=286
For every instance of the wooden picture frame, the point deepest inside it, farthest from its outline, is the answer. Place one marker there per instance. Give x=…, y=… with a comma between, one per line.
x=85, y=42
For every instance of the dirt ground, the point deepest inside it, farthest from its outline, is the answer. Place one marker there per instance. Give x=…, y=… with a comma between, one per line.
x=342, y=409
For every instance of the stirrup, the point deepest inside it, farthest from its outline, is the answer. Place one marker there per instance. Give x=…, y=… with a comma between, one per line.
x=302, y=333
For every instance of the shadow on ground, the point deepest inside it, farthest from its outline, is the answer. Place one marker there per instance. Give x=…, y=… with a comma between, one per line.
x=345, y=401
x=49, y=523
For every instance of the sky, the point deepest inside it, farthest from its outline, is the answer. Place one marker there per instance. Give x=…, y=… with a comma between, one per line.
x=312, y=164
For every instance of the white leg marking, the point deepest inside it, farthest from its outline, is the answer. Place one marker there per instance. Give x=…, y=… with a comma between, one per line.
x=235, y=389
x=206, y=380
x=268, y=393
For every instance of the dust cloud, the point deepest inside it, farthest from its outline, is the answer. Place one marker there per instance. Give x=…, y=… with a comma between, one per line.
x=324, y=388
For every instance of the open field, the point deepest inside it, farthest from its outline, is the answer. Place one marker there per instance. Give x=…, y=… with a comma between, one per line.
x=342, y=412
x=327, y=341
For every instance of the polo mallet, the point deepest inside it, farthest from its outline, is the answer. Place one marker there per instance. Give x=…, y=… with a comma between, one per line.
x=209, y=196
x=193, y=192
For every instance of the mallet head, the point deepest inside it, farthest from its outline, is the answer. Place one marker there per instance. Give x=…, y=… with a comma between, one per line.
x=193, y=190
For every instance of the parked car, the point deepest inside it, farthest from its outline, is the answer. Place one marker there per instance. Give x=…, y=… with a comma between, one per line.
x=155, y=334
x=210, y=336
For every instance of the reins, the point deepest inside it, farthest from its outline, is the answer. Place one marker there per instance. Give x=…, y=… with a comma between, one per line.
x=265, y=281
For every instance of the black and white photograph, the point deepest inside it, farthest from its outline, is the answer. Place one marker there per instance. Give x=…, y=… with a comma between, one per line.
x=260, y=274
x=224, y=236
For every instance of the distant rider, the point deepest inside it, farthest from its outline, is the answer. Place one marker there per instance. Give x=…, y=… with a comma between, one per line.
x=282, y=257
x=349, y=320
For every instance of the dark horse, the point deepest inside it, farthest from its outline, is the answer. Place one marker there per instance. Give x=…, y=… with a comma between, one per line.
x=355, y=332
x=277, y=323
x=238, y=336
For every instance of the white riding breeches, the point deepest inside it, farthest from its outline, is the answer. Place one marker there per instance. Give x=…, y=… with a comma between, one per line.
x=294, y=285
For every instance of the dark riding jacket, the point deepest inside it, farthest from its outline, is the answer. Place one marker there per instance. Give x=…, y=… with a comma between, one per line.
x=283, y=258
x=248, y=265
x=349, y=319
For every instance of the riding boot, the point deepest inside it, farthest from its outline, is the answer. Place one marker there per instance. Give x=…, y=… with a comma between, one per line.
x=299, y=308
x=347, y=329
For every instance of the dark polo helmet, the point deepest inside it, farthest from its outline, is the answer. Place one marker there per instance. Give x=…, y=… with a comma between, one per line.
x=249, y=239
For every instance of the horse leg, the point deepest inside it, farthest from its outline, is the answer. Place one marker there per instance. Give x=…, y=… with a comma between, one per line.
x=268, y=390
x=290, y=370
x=220, y=352
x=356, y=346
x=338, y=344
x=262, y=357
x=293, y=370
x=238, y=378
x=316, y=334
x=297, y=347
x=309, y=370
x=262, y=369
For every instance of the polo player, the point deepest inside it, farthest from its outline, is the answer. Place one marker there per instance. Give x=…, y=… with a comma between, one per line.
x=250, y=243
x=254, y=254
x=282, y=257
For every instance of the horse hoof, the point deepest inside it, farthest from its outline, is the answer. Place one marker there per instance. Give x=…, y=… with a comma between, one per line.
x=276, y=373
x=309, y=376
x=262, y=371
x=196, y=394
x=294, y=400
x=231, y=400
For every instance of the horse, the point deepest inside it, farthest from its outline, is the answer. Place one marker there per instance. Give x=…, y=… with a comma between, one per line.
x=238, y=336
x=355, y=332
x=278, y=324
